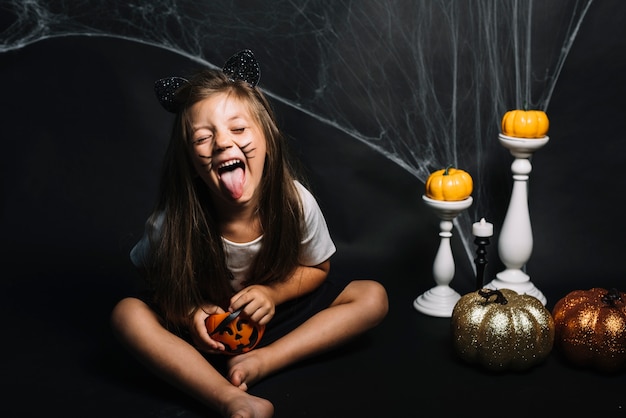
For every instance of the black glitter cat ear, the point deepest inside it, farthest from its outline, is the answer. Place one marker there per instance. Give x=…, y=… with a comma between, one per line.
x=165, y=89
x=243, y=66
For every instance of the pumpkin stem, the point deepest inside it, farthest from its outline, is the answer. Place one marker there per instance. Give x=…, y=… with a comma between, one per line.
x=488, y=293
x=446, y=173
x=611, y=297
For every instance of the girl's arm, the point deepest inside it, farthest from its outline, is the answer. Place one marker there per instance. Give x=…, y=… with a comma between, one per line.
x=303, y=280
x=260, y=301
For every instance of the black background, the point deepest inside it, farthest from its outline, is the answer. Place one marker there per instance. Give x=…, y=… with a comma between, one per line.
x=82, y=138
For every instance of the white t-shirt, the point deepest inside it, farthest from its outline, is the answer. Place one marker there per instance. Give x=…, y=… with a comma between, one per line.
x=317, y=245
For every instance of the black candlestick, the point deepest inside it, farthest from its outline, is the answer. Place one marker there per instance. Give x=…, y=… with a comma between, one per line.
x=480, y=260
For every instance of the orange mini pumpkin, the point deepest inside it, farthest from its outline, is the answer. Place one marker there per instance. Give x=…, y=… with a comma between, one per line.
x=449, y=184
x=238, y=333
x=525, y=123
x=590, y=327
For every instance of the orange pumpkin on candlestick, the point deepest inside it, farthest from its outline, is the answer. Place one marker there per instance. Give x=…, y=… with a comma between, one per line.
x=590, y=327
x=451, y=184
x=238, y=333
x=525, y=123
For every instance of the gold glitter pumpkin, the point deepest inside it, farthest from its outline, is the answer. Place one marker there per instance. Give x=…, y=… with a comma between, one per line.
x=501, y=329
x=590, y=328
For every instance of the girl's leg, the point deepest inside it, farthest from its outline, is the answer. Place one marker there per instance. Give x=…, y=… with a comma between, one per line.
x=359, y=307
x=179, y=363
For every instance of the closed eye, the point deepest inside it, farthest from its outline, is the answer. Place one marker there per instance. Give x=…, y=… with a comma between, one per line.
x=202, y=140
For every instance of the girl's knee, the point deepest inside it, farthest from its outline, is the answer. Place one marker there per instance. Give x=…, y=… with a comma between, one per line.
x=372, y=296
x=379, y=298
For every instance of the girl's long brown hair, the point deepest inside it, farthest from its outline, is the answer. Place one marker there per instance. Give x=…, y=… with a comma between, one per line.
x=188, y=265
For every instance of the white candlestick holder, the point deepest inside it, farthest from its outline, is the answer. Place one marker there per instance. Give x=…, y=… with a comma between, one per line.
x=515, y=243
x=440, y=300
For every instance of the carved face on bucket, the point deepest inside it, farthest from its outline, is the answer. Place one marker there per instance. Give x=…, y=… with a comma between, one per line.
x=228, y=147
x=236, y=332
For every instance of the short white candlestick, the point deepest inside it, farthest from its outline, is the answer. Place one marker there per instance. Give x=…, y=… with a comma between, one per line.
x=440, y=300
x=515, y=243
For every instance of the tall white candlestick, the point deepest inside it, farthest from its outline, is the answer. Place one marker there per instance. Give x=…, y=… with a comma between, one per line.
x=515, y=244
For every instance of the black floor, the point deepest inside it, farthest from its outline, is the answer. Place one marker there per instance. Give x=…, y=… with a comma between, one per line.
x=60, y=359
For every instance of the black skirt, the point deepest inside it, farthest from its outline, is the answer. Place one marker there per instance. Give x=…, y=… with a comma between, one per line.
x=288, y=315
x=293, y=313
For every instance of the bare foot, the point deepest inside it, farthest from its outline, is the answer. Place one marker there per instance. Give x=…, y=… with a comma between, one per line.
x=248, y=406
x=245, y=369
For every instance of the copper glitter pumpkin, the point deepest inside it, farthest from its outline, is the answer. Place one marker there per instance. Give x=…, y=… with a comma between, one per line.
x=501, y=329
x=590, y=328
x=238, y=333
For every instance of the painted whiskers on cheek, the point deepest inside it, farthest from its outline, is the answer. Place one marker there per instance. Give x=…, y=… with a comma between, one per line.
x=208, y=160
x=247, y=151
x=197, y=146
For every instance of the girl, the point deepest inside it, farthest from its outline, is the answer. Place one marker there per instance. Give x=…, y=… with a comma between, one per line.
x=233, y=229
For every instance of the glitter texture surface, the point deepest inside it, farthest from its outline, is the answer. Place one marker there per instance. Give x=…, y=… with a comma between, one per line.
x=591, y=328
x=500, y=336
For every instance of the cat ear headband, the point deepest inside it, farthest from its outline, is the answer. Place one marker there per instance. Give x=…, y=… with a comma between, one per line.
x=241, y=66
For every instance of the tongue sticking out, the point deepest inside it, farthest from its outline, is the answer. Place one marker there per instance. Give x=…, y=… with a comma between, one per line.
x=233, y=182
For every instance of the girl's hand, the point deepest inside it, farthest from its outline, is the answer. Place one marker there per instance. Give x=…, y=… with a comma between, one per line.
x=199, y=333
x=257, y=303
